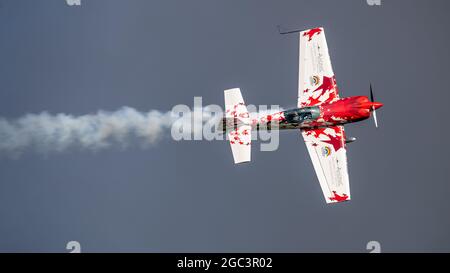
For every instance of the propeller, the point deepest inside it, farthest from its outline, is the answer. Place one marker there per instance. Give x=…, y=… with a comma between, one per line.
x=374, y=112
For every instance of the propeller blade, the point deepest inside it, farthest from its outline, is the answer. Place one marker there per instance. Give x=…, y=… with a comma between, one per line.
x=371, y=94
x=374, y=112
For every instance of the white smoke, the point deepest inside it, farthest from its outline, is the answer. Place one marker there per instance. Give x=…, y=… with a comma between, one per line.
x=46, y=133
x=55, y=133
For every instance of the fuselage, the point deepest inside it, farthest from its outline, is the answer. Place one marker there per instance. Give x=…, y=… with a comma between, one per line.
x=338, y=112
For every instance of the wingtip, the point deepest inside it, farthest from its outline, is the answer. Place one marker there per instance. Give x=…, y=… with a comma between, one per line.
x=337, y=202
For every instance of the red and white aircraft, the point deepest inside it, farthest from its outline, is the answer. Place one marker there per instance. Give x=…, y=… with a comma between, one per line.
x=320, y=116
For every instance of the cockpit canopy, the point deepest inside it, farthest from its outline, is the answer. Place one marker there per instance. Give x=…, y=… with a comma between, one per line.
x=300, y=115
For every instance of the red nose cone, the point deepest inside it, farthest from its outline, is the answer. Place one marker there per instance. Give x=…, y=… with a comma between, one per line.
x=377, y=105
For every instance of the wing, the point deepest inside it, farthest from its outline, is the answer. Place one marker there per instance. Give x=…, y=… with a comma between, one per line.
x=326, y=147
x=317, y=83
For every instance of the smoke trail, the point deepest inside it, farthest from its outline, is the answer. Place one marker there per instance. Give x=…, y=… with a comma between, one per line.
x=55, y=133
x=46, y=133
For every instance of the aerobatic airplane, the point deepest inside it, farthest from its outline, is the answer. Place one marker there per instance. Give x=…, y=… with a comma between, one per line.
x=321, y=115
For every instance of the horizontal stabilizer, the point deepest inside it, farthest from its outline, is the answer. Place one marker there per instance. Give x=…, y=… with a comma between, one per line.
x=240, y=134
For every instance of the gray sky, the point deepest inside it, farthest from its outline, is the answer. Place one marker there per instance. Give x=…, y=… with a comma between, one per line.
x=189, y=196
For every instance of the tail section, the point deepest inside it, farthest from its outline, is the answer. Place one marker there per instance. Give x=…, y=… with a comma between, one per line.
x=237, y=123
